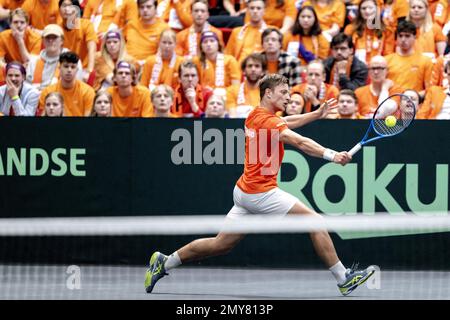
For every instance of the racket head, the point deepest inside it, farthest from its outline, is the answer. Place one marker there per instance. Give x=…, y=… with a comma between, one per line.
x=400, y=106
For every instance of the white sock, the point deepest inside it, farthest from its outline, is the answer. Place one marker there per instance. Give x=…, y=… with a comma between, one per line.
x=172, y=261
x=338, y=271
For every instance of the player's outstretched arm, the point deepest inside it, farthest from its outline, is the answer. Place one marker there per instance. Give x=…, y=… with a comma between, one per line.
x=312, y=148
x=299, y=120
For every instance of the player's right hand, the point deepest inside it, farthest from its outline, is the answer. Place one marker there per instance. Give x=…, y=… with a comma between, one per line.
x=342, y=158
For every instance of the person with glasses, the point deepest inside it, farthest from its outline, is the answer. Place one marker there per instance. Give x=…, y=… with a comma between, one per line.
x=380, y=87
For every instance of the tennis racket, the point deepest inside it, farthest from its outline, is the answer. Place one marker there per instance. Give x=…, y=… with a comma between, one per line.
x=399, y=106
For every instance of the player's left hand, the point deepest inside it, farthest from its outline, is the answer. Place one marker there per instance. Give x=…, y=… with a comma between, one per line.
x=325, y=108
x=342, y=158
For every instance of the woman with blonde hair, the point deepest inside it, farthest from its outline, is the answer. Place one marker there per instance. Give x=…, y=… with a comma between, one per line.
x=102, y=104
x=53, y=105
x=429, y=39
x=162, y=67
x=113, y=50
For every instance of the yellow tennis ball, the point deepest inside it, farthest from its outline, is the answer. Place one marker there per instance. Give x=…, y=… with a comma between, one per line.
x=390, y=121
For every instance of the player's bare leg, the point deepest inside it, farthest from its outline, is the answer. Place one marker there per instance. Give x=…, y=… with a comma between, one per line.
x=195, y=250
x=347, y=279
x=209, y=247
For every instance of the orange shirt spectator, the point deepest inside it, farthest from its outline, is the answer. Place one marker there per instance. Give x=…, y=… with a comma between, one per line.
x=368, y=101
x=188, y=40
x=142, y=38
x=429, y=39
x=393, y=11
x=42, y=13
x=331, y=15
x=436, y=104
x=128, y=98
x=112, y=51
x=10, y=50
x=102, y=13
x=247, y=39
x=438, y=77
x=438, y=10
x=128, y=12
x=137, y=104
x=305, y=40
x=176, y=13
x=162, y=67
x=280, y=14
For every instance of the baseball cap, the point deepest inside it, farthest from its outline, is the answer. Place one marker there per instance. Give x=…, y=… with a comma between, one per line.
x=52, y=29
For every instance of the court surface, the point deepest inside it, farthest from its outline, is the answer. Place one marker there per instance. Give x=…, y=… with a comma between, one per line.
x=197, y=283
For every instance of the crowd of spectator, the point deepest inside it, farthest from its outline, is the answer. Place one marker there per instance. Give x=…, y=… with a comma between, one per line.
x=203, y=59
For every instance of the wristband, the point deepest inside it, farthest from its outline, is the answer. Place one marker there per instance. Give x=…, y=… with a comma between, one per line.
x=15, y=98
x=329, y=154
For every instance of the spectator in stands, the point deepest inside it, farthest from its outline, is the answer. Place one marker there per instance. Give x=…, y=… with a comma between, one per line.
x=79, y=35
x=247, y=39
x=113, y=50
x=296, y=104
x=188, y=40
x=215, y=107
x=393, y=12
x=103, y=15
x=415, y=97
x=331, y=15
x=128, y=12
x=280, y=14
x=102, y=106
x=241, y=101
x=227, y=13
x=343, y=69
x=162, y=67
x=369, y=34
x=6, y=6
x=17, y=43
x=438, y=10
x=347, y=105
x=437, y=101
x=429, y=38
x=42, y=13
x=176, y=13
x=315, y=90
x=128, y=98
x=279, y=61
x=370, y=96
x=53, y=105
x=78, y=96
x=305, y=39
x=216, y=70
x=407, y=67
x=17, y=98
x=190, y=97
x=142, y=35
x=43, y=69
x=162, y=99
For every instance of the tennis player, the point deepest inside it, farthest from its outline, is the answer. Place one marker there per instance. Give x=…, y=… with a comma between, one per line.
x=256, y=191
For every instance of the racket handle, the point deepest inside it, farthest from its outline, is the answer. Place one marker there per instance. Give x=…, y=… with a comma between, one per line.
x=355, y=149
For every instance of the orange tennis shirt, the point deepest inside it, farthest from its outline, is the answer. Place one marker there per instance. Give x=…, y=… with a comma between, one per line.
x=263, y=151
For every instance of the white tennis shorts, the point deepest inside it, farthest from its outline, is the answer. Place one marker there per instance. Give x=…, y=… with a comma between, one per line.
x=275, y=202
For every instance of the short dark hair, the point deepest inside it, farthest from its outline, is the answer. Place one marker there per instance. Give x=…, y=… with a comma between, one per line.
x=269, y=31
x=188, y=64
x=348, y=92
x=74, y=3
x=141, y=2
x=257, y=57
x=69, y=56
x=341, y=38
x=407, y=27
x=270, y=81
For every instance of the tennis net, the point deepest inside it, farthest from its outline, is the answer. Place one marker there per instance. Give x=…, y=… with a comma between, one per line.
x=106, y=257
